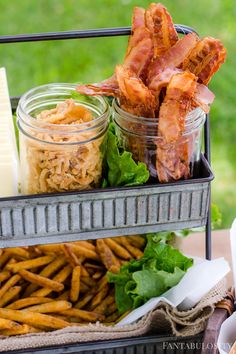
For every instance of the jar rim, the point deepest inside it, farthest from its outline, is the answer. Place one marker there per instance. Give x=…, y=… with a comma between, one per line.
x=150, y=121
x=86, y=125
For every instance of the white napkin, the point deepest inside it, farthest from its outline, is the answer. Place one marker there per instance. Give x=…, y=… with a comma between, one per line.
x=227, y=335
x=196, y=283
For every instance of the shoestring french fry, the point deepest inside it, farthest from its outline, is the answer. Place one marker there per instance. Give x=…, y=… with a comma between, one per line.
x=18, y=252
x=84, y=315
x=50, y=307
x=110, y=309
x=86, y=244
x=10, y=282
x=49, y=270
x=75, y=284
x=60, y=278
x=64, y=296
x=33, y=263
x=70, y=256
x=134, y=251
x=52, y=249
x=88, y=281
x=9, y=295
x=97, y=275
x=42, y=281
x=4, y=258
x=84, y=252
x=84, y=301
x=84, y=272
x=99, y=297
x=28, y=301
x=4, y=275
x=117, y=249
x=137, y=240
x=107, y=256
x=102, y=307
x=8, y=324
x=11, y=261
x=47, y=287
x=103, y=282
x=83, y=287
x=23, y=329
x=33, y=318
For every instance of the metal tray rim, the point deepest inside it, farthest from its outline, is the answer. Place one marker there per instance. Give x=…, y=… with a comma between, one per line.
x=114, y=189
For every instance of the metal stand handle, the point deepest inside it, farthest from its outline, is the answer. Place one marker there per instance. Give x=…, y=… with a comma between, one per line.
x=208, y=157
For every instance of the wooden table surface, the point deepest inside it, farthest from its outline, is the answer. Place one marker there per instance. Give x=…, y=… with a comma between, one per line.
x=194, y=245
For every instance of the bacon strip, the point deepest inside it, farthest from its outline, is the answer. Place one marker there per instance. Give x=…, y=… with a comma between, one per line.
x=160, y=24
x=108, y=87
x=136, y=99
x=138, y=57
x=134, y=96
x=173, y=57
x=172, y=152
x=203, y=97
x=205, y=59
x=137, y=23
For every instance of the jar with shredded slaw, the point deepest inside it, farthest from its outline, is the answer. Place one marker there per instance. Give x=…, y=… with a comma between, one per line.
x=61, y=139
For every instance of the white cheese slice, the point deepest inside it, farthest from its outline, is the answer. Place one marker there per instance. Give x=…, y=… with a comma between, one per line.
x=9, y=161
x=8, y=177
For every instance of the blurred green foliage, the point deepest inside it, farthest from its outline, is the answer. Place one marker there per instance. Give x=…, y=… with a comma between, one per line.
x=90, y=60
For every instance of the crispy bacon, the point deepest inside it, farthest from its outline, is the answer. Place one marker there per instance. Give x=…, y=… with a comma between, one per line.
x=160, y=24
x=173, y=57
x=176, y=105
x=162, y=80
x=138, y=100
x=137, y=23
x=173, y=162
x=203, y=97
x=165, y=77
x=134, y=96
x=108, y=87
x=205, y=59
x=172, y=152
x=138, y=57
x=141, y=55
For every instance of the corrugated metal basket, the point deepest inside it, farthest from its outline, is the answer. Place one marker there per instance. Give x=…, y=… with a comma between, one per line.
x=52, y=218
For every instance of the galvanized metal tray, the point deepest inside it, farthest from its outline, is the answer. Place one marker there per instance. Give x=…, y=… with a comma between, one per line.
x=51, y=218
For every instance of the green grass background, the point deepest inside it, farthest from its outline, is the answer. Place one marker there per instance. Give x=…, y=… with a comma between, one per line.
x=90, y=60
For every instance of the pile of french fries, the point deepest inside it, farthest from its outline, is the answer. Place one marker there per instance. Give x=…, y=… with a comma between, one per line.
x=48, y=287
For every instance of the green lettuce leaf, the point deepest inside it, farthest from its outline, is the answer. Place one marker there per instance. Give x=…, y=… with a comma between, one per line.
x=160, y=268
x=166, y=257
x=119, y=167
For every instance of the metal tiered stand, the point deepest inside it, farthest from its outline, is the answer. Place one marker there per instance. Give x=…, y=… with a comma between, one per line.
x=73, y=216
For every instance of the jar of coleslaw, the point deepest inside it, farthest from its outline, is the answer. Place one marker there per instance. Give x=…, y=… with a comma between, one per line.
x=61, y=139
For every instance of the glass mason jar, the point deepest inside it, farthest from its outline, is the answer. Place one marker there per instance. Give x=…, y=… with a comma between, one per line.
x=60, y=157
x=166, y=161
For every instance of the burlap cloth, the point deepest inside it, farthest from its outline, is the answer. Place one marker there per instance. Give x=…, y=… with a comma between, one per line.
x=163, y=320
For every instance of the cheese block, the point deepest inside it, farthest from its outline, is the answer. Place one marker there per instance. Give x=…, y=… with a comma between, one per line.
x=9, y=161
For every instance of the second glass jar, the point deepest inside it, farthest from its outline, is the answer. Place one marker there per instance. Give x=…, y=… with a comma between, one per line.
x=166, y=161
